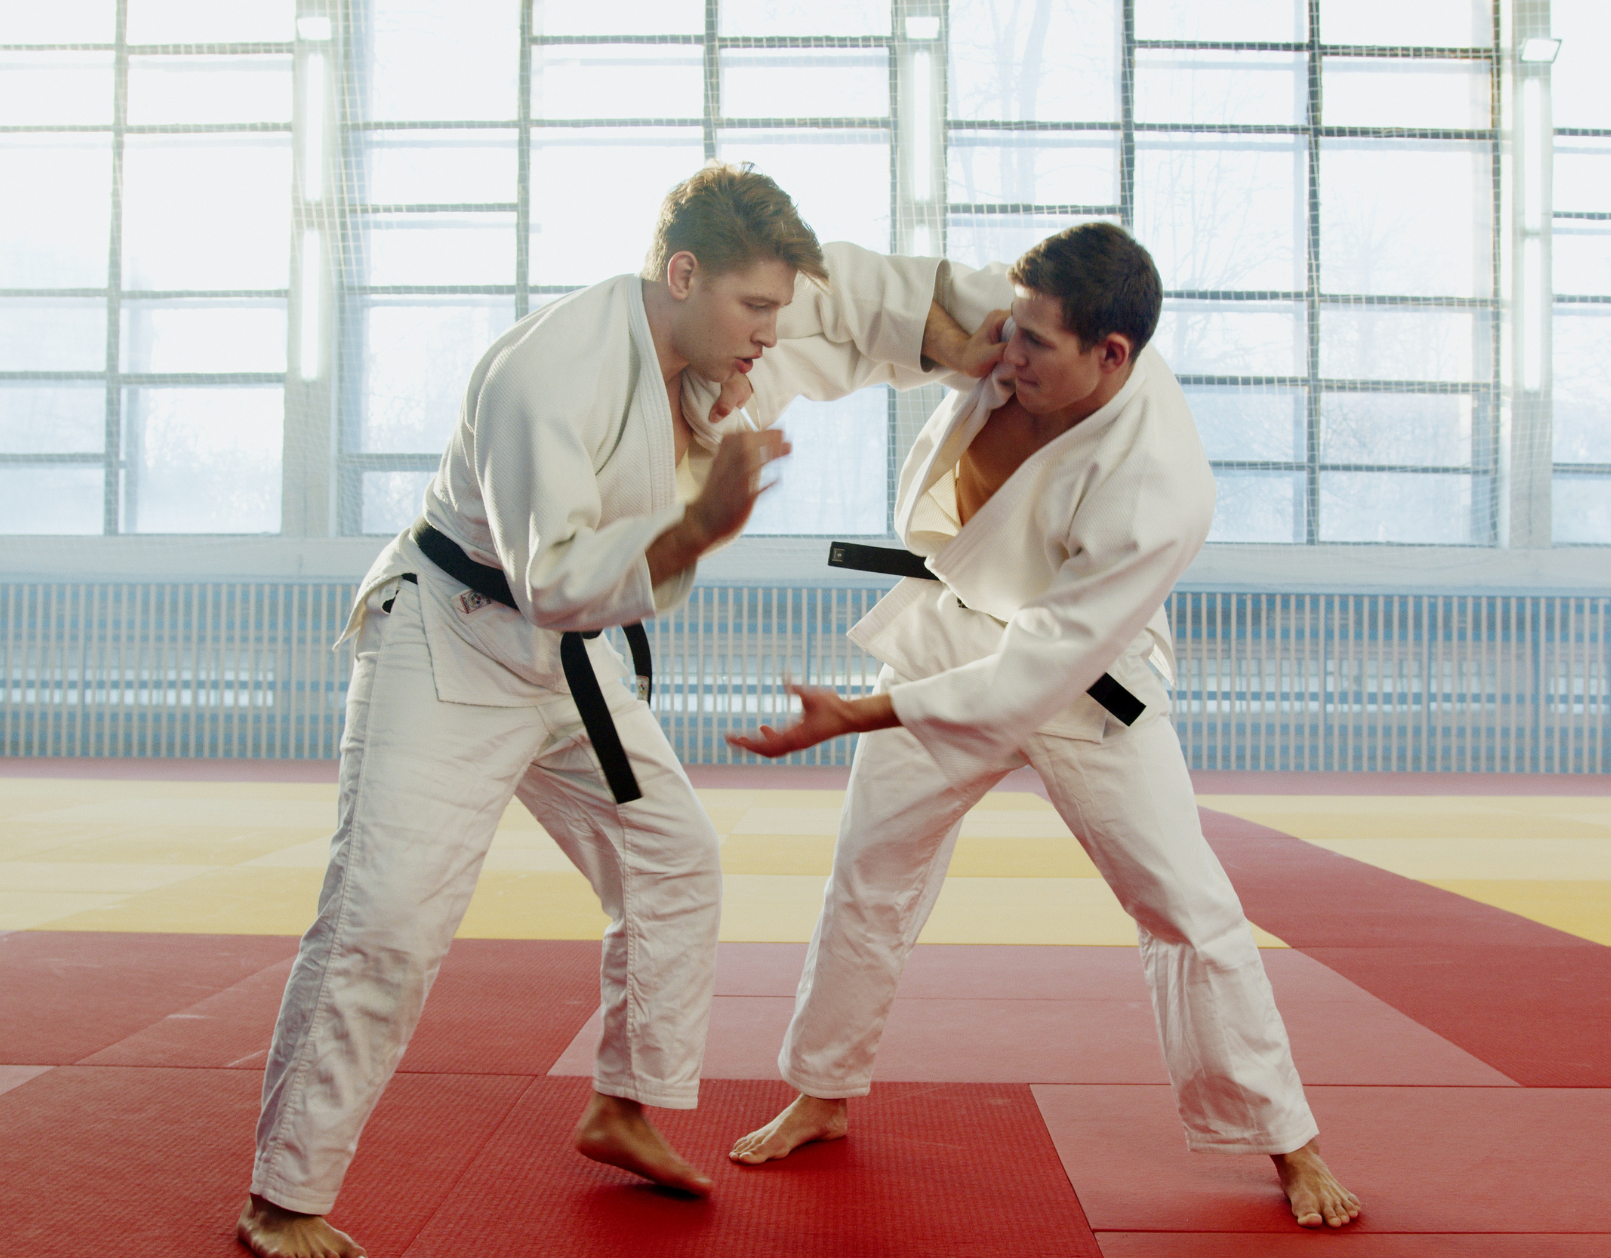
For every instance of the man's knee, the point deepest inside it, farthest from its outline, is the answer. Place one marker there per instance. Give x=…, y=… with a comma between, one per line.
x=705, y=867
x=690, y=851
x=1221, y=939
x=1196, y=912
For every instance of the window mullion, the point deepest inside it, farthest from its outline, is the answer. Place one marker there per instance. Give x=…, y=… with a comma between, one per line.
x=1531, y=301
x=117, y=486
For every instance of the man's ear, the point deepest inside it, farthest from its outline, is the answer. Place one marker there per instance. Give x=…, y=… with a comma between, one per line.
x=1116, y=352
x=680, y=271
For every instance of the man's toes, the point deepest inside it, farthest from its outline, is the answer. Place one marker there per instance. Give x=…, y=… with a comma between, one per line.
x=745, y=1145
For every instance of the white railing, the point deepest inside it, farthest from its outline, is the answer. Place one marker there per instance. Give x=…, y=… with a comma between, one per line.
x=1267, y=681
x=1393, y=682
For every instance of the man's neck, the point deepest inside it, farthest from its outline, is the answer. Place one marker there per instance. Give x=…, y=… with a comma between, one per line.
x=660, y=309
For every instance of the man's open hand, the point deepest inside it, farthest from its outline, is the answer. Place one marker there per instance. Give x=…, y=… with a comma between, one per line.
x=723, y=506
x=734, y=483
x=823, y=715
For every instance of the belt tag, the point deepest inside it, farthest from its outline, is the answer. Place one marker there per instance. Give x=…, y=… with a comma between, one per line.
x=471, y=601
x=641, y=687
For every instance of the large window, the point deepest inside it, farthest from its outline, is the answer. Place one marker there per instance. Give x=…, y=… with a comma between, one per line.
x=499, y=157
x=251, y=252
x=145, y=197
x=1318, y=185
x=1581, y=245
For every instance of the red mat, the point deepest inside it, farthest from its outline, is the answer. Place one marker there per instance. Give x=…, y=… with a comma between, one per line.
x=100, y=1159
x=499, y=1006
x=67, y=994
x=1347, y=1244
x=907, y=1181
x=229, y=1030
x=986, y=971
x=1018, y=972
x=157, y=1161
x=465, y=1166
x=1437, y=1160
x=1531, y=1001
x=16, y=1076
x=1542, y=1016
x=1098, y=1029
x=505, y=1006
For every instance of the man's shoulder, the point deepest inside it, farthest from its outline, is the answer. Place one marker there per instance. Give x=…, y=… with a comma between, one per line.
x=568, y=336
x=1158, y=396
x=1159, y=417
x=568, y=360
x=578, y=319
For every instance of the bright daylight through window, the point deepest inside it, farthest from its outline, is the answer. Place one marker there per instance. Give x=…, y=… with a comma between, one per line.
x=252, y=252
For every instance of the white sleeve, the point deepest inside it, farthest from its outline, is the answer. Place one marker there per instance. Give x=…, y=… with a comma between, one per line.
x=1127, y=547
x=968, y=295
x=543, y=507
x=865, y=328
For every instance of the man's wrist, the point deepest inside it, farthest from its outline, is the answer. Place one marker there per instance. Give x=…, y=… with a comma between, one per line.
x=872, y=712
x=693, y=532
x=678, y=548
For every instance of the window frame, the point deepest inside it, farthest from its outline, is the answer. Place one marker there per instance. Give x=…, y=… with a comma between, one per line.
x=120, y=489
x=322, y=468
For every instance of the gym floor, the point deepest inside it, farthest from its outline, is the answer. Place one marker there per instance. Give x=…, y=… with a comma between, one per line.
x=1440, y=948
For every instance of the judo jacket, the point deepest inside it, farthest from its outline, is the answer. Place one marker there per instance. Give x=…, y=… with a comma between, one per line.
x=562, y=469
x=1062, y=572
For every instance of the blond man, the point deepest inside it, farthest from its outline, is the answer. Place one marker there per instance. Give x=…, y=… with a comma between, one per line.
x=576, y=494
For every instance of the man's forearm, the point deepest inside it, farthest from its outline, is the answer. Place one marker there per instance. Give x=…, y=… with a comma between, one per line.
x=678, y=548
x=944, y=340
x=872, y=712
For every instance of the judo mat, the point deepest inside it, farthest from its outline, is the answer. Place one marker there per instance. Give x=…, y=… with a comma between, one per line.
x=1438, y=945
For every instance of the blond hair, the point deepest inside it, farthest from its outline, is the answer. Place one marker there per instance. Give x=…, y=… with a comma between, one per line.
x=730, y=217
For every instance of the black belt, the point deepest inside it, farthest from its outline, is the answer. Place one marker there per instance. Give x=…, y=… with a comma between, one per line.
x=490, y=582
x=903, y=563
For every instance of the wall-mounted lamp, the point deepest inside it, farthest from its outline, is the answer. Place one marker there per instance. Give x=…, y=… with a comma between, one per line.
x=1539, y=51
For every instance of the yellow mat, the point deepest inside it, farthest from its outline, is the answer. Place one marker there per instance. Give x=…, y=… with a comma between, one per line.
x=248, y=858
x=1543, y=857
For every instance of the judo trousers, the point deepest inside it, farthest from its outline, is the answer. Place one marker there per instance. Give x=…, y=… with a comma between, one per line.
x=423, y=785
x=1129, y=800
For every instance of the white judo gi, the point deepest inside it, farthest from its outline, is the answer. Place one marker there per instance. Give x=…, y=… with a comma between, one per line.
x=561, y=472
x=1059, y=577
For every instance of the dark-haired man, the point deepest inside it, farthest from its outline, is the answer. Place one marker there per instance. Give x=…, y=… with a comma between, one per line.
x=1056, y=503
x=577, y=493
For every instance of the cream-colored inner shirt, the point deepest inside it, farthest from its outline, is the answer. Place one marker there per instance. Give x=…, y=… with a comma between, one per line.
x=692, y=471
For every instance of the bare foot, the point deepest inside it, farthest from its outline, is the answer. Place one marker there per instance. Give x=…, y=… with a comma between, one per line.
x=272, y=1232
x=808, y=1118
x=613, y=1130
x=1313, y=1191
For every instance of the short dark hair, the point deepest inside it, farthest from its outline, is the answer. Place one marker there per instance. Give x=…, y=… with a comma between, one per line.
x=730, y=217
x=1104, y=279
